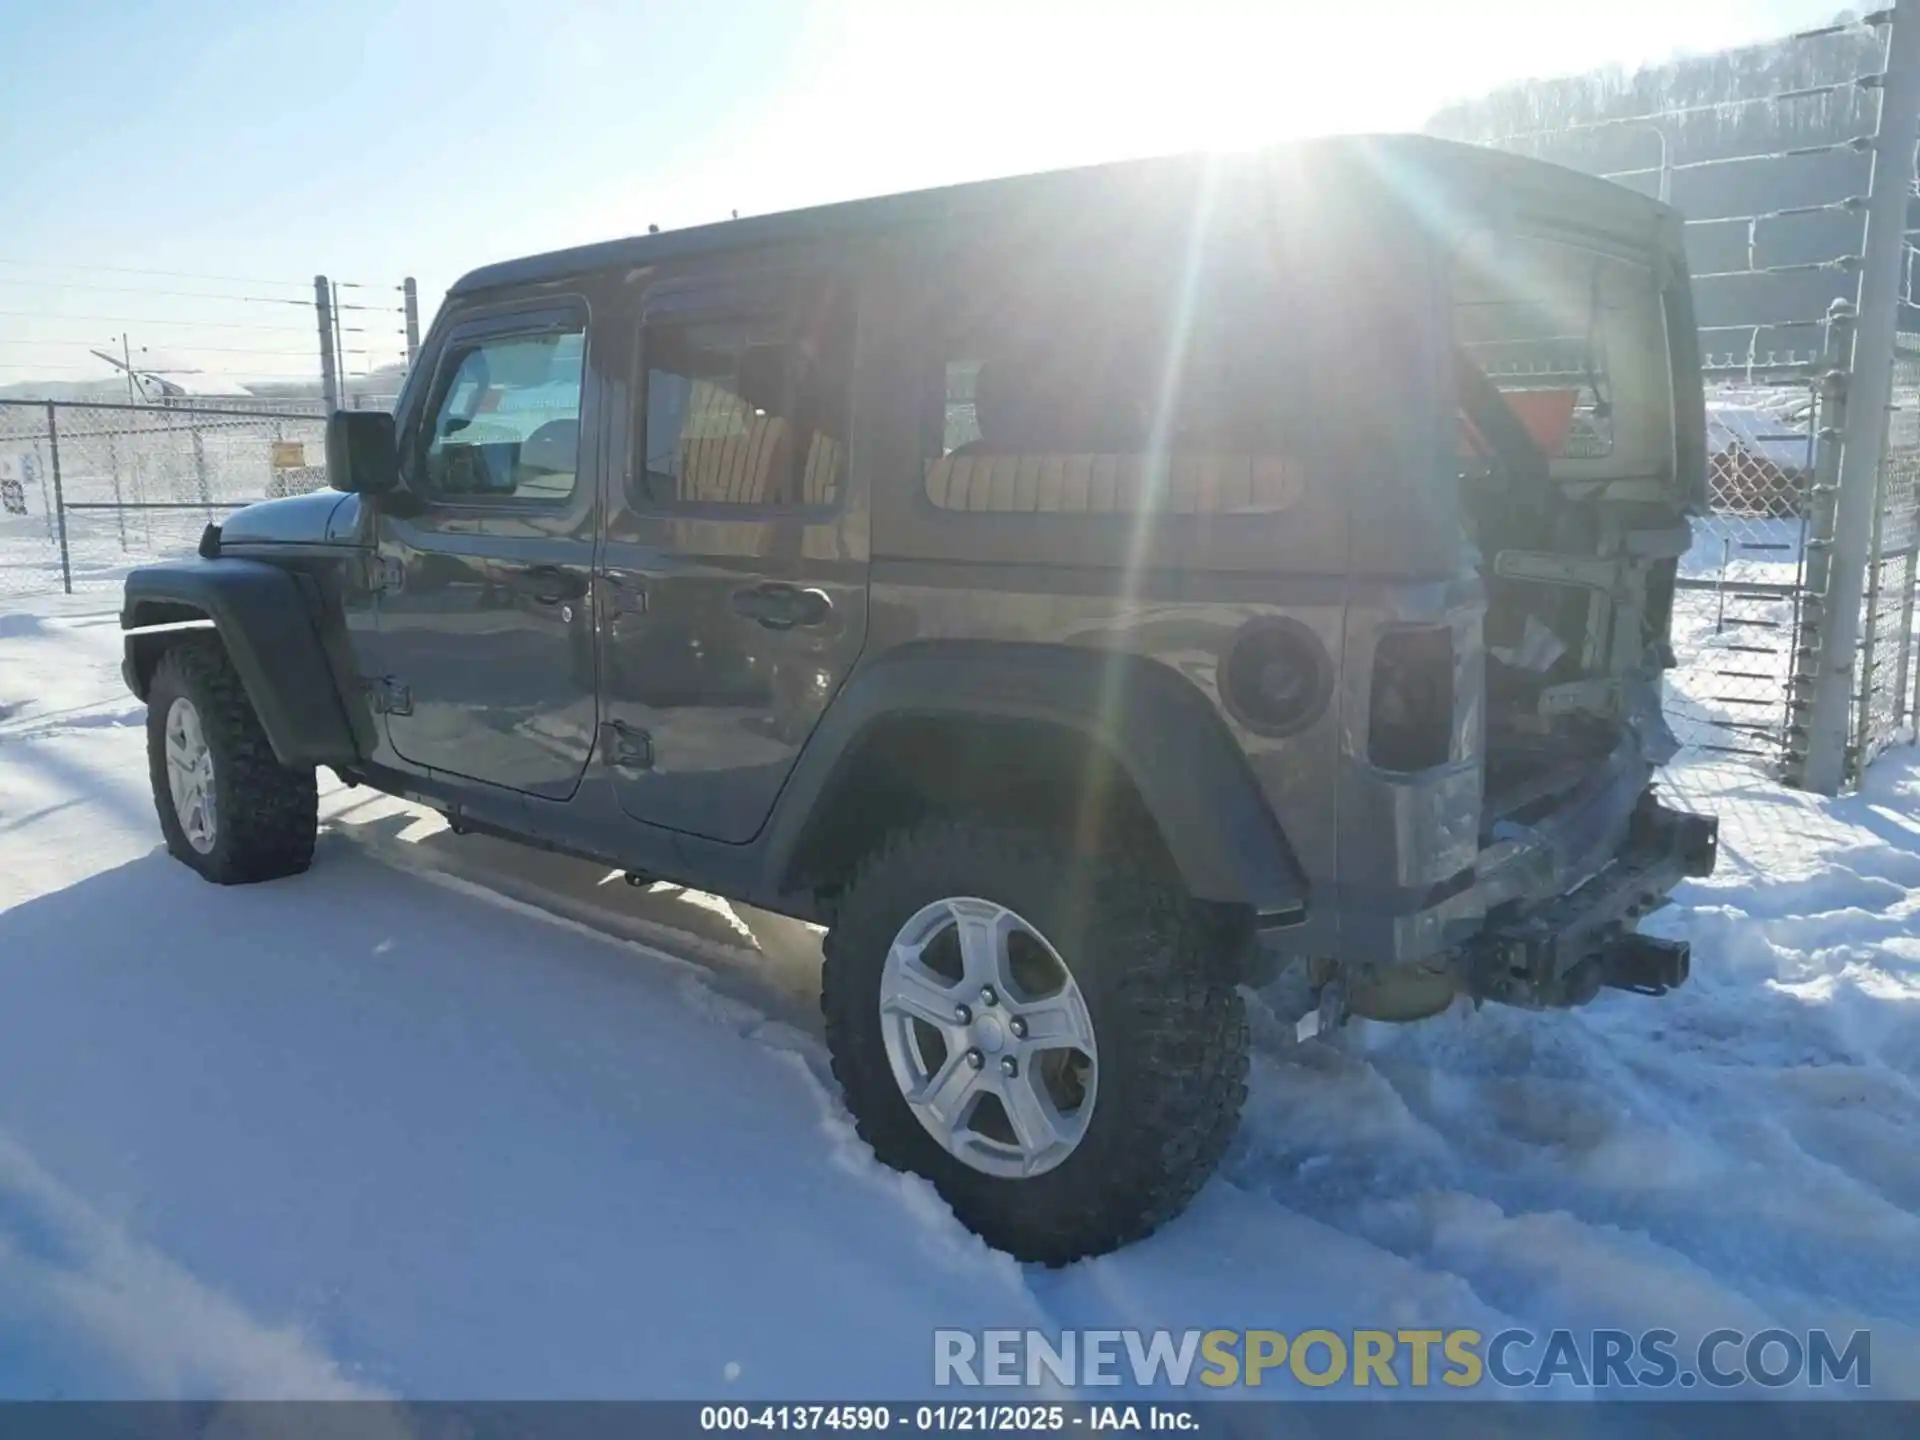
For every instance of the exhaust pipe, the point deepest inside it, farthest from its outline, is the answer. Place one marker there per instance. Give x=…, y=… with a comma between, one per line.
x=1644, y=965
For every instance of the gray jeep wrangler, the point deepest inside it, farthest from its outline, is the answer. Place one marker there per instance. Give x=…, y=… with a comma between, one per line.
x=1085, y=594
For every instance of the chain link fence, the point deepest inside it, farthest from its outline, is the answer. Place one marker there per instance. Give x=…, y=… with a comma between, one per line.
x=88, y=490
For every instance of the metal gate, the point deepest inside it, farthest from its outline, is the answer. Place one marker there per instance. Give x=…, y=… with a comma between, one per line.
x=1738, y=606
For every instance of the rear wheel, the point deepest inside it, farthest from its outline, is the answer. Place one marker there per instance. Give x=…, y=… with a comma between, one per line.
x=227, y=806
x=1053, y=1040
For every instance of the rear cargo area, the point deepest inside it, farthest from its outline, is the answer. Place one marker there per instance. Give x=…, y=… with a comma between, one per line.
x=1572, y=506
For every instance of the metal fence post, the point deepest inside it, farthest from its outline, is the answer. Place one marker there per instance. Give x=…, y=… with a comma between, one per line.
x=1871, y=392
x=200, y=467
x=329, y=376
x=339, y=339
x=1867, y=655
x=59, y=499
x=1902, y=712
x=1913, y=658
x=119, y=515
x=411, y=293
x=1829, y=420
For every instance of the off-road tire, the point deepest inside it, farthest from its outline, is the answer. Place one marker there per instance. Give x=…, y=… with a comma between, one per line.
x=1168, y=1020
x=267, y=812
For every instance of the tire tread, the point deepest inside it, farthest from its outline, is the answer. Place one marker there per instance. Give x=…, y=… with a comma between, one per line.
x=268, y=812
x=1186, y=1023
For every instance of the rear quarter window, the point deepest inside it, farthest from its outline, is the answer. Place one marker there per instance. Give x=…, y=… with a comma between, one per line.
x=1130, y=381
x=1082, y=381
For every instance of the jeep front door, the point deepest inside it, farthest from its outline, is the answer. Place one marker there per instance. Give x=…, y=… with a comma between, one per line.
x=733, y=580
x=483, y=646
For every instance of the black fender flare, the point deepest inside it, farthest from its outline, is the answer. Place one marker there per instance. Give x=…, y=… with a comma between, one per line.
x=265, y=617
x=1162, y=730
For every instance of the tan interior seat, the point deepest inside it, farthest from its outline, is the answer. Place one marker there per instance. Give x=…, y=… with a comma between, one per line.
x=734, y=469
x=1097, y=484
x=745, y=469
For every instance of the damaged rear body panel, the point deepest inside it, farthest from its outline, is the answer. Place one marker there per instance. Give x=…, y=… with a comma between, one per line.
x=1509, y=604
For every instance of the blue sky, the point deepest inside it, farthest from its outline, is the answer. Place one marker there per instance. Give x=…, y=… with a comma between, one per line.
x=271, y=141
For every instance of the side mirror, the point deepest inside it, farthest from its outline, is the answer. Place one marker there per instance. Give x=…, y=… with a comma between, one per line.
x=363, y=455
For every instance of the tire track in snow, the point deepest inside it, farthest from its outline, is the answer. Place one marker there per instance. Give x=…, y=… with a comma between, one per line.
x=29, y=724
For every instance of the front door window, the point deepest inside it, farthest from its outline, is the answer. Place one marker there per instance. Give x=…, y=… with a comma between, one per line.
x=507, y=425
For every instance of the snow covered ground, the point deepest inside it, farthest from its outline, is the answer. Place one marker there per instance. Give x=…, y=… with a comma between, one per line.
x=445, y=1119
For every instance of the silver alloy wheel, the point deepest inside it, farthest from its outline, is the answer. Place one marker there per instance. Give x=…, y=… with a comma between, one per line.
x=989, y=1037
x=190, y=775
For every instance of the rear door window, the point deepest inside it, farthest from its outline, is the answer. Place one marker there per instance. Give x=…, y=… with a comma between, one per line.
x=748, y=412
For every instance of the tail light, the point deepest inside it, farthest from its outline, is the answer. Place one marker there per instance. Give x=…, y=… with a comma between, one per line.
x=1410, y=712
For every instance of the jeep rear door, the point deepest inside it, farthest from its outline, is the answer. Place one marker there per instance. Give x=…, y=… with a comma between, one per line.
x=734, y=571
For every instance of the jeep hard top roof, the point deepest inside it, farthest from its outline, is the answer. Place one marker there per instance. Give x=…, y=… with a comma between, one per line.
x=1428, y=176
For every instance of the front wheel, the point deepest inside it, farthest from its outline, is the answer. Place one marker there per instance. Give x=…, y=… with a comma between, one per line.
x=1053, y=1040
x=227, y=806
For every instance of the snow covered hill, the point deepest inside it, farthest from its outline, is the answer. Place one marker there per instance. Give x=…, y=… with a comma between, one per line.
x=445, y=1119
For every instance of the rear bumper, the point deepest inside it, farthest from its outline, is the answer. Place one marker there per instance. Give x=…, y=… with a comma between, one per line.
x=1541, y=914
x=1562, y=950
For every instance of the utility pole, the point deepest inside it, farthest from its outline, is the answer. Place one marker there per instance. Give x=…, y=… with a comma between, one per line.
x=1869, y=397
x=126, y=355
x=329, y=373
